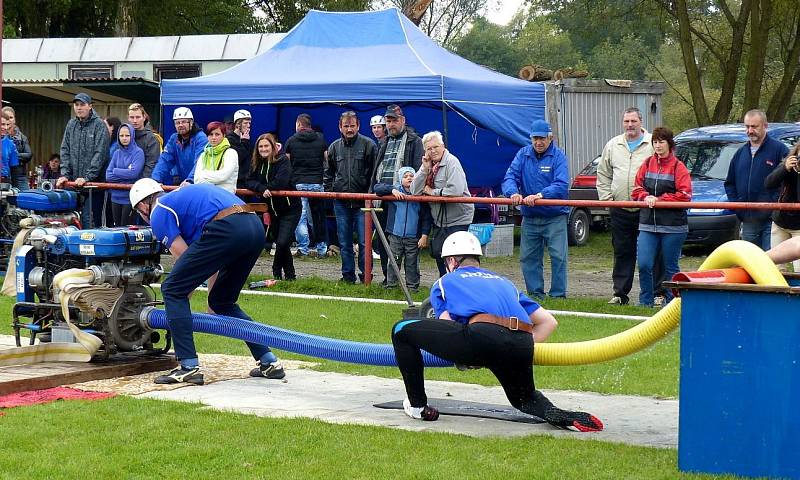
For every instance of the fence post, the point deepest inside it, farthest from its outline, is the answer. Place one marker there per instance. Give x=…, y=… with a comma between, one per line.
x=367, y=242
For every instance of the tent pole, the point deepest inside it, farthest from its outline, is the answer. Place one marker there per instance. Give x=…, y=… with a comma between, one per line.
x=444, y=122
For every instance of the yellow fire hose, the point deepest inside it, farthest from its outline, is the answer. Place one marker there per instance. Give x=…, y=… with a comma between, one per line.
x=71, y=286
x=734, y=253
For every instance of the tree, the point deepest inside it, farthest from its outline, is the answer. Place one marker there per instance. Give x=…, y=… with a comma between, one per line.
x=283, y=15
x=738, y=42
x=540, y=42
x=104, y=18
x=489, y=45
x=446, y=20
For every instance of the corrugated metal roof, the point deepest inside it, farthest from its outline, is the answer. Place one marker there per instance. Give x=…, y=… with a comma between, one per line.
x=82, y=80
x=138, y=49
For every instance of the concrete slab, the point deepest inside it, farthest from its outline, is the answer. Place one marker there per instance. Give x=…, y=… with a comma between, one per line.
x=340, y=398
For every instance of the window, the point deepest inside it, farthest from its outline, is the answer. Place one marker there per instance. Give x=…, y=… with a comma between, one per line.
x=176, y=70
x=85, y=72
x=707, y=160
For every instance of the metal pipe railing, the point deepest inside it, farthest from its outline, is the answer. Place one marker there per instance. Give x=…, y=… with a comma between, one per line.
x=368, y=198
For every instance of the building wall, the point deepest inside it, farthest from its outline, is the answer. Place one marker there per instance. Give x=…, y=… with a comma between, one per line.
x=56, y=71
x=44, y=124
x=586, y=115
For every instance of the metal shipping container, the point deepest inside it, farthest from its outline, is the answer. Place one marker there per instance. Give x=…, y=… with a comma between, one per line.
x=586, y=114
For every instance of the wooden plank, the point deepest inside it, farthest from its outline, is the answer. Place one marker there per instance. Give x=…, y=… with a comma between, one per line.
x=24, y=378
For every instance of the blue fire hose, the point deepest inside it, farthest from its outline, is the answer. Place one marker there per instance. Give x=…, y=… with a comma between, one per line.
x=290, y=341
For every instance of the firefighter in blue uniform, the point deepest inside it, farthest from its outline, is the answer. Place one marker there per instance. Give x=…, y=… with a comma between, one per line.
x=483, y=320
x=197, y=224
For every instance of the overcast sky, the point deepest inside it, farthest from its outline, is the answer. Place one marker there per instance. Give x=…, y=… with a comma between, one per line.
x=501, y=11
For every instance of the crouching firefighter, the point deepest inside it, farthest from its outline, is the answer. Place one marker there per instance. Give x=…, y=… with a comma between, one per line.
x=483, y=320
x=207, y=230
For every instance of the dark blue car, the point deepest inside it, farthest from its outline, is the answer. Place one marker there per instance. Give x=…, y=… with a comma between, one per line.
x=707, y=153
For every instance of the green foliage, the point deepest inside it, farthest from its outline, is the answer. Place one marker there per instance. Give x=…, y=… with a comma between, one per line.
x=623, y=59
x=158, y=17
x=489, y=45
x=281, y=16
x=105, y=18
x=541, y=42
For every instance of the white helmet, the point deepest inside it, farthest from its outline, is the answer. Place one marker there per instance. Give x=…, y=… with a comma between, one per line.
x=461, y=243
x=143, y=188
x=182, y=112
x=377, y=120
x=240, y=114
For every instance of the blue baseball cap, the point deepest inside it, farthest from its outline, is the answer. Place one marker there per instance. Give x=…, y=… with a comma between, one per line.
x=540, y=128
x=82, y=97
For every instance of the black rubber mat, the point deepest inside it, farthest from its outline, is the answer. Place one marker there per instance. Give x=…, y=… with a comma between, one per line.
x=463, y=408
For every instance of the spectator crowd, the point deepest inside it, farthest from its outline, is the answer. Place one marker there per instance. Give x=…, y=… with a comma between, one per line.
x=393, y=160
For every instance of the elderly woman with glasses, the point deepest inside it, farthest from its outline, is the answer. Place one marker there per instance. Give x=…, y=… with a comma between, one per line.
x=441, y=175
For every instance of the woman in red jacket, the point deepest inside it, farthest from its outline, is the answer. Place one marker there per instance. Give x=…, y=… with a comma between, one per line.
x=661, y=178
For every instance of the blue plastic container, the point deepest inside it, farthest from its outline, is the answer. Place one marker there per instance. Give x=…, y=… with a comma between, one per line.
x=740, y=382
x=113, y=242
x=483, y=231
x=52, y=201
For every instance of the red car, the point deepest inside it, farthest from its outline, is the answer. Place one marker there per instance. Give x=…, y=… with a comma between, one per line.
x=582, y=219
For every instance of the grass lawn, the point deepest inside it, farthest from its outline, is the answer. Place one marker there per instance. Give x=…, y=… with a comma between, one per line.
x=144, y=439
x=129, y=438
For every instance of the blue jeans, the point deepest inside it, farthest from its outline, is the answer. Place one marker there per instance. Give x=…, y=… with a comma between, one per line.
x=758, y=232
x=312, y=216
x=233, y=256
x=538, y=233
x=648, y=247
x=348, y=219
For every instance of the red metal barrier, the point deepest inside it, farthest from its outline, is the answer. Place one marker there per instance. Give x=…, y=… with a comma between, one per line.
x=728, y=275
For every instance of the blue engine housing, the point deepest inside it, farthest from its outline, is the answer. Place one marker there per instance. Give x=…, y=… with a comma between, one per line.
x=115, y=242
x=47, y=201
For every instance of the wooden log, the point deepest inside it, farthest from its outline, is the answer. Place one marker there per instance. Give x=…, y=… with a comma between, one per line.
x=527, y=72
x=569, y=73
x=542, y=74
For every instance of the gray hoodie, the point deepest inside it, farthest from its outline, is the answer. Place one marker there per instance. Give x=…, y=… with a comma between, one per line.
x=148, y=142
x=84, y=149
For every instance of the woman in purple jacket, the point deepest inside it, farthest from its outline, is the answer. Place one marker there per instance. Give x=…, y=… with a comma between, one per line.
x=125, y=167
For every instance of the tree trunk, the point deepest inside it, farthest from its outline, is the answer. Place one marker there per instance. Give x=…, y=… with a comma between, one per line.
x=722, y=110
x=125, y=25
x=759, y=36
x=692, y=73
x=782, y=97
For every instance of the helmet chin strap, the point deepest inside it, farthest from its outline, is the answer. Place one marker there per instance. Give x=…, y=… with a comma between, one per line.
x=457, y=261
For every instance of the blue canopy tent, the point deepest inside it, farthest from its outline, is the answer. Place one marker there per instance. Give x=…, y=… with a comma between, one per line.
x=331, y=62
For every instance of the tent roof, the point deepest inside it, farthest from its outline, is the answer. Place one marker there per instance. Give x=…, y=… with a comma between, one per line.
x=372, y=57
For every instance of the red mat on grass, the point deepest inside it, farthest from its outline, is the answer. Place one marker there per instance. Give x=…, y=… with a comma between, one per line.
x=48, y=395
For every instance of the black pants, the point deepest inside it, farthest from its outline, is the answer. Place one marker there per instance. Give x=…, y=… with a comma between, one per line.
x=122, y=214
x=319, y=232
x=281, y=233
x=92, y=213
x=508, y=354
x=446, y=232
x=624, y=236
x=217, y=250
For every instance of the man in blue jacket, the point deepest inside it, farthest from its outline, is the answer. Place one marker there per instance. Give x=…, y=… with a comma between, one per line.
x=540, y=171
x=181, y=150
x=746, y=174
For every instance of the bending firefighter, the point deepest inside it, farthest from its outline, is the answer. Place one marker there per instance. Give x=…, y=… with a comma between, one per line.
x=196, y=223
x=483, y=320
